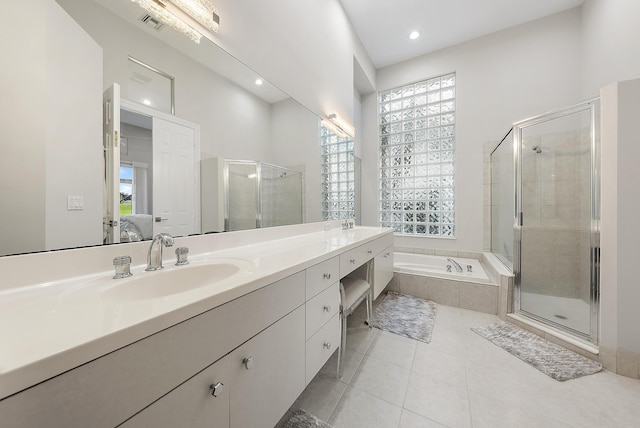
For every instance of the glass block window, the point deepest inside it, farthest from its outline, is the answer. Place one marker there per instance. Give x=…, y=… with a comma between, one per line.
x=417, y=171
x=338, y=176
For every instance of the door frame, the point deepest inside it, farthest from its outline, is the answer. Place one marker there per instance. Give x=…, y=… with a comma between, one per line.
x=593, y=106
x=148, y=111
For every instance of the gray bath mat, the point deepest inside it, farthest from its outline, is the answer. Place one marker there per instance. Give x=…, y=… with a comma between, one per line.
x=302, y=419
x=551, y=359
x=405, y=315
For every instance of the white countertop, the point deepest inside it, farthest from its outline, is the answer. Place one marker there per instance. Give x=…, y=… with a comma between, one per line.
x=49, y=328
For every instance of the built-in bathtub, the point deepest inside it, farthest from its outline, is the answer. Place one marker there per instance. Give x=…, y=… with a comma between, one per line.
x=427, y=277
x=440, y=267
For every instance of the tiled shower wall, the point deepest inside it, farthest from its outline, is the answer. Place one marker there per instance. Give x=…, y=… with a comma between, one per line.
x=556, y=201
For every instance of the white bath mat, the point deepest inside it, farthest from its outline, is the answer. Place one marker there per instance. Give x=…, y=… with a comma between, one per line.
x=302, y=419
x=407, y=316
x=551, y=359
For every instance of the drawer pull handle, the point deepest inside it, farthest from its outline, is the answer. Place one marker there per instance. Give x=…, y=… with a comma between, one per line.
x=327, y=345
x=248, y=363
x=327, y=308
x=386, y=255
x=216, y=388
x=326, y=276
x=353, y=261
x=369, y=252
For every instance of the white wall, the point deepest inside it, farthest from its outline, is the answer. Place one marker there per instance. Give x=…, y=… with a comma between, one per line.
x=306, y=48
x=295, y=143
x=23, y=80
x=501, y=78
x=50, y=74
x=74, y=133
x=610, y=47
x=620, y=206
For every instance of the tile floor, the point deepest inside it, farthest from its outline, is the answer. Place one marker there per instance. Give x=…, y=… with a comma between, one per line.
x=458, y=380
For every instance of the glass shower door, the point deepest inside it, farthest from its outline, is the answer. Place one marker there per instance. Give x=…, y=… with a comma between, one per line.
x=556, y=281
x=241, y=191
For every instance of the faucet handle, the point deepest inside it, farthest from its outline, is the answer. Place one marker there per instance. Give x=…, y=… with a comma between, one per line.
x=123, y=267
x=182, y=254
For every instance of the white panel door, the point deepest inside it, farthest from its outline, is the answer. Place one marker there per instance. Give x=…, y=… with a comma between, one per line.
x=174, y=180
x=111, y=142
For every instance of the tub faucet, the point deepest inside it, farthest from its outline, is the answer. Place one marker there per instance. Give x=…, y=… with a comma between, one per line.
x=456, y=264
x=154, y=257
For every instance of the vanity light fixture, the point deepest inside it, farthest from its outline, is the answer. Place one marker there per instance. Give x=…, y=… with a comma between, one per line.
x=331, y=127
x=201, y=10
x=343, y=125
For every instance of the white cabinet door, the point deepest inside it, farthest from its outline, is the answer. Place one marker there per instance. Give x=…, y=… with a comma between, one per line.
x=382, y=270
x=174, y=181
x=268, y=373
x=200, y=402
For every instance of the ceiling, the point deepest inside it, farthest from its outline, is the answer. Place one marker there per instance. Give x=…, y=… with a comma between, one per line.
x=384, y=25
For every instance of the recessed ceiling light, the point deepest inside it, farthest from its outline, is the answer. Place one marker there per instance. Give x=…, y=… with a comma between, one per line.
x=146, y=102
x=259, y=82
x=414, y=35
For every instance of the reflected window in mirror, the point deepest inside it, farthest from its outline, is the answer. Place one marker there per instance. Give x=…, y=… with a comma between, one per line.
x=126, y=190
x=134, y=192
x=151, y=87
x=338, y=176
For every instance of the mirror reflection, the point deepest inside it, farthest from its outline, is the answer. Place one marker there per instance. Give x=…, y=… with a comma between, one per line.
x=89, y=45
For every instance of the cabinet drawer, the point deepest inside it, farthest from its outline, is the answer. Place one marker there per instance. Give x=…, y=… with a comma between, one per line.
x=322, y=345
x=380, y=244
x=356, y=257
x=322, y=275
x=352, y=259
x=191, y=404
x=382, y=270
x=322, y=307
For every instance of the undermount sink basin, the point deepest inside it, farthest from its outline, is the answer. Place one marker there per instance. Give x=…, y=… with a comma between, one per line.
x=151, y=285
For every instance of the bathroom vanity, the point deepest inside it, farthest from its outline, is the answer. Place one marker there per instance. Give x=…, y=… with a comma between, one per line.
x=233, y=353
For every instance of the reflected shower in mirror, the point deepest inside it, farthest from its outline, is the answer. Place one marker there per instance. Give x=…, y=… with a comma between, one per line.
x=54, y=175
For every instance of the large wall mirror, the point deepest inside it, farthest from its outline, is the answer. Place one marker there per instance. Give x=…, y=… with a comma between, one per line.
x=60, y=204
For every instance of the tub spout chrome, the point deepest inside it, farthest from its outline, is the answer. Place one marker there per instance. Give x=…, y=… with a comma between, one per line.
x=455, y=263
x=154, y=257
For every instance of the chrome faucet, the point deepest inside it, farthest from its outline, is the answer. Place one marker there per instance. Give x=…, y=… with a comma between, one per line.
x=154, y=257
x=456, y=264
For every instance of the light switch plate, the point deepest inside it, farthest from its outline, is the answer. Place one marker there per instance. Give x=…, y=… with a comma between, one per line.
x=75, y=203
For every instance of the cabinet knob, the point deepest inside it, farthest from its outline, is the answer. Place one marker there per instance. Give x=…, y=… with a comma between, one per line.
x=327, y=308
x=248, y=362
x=353, y=261
x=327, y=345
x=386, y=255
x=326, y=276
x=369, y=252
x=216, y=388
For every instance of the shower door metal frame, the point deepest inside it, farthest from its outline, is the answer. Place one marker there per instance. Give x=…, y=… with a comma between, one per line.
x=593, y=106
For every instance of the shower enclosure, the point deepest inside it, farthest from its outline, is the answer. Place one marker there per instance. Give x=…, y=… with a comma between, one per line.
x=258, y=194
x=555, y=178
x=502, y=200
